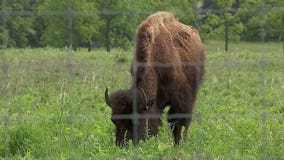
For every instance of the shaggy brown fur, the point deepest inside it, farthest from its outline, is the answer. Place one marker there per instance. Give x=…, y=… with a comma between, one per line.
x=168, y=67
x=121, y=105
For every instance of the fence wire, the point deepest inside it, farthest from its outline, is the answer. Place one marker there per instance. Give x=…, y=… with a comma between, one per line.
x=8, y=118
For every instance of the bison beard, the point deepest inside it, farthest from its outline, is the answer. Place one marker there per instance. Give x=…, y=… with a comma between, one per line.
x=167, y=70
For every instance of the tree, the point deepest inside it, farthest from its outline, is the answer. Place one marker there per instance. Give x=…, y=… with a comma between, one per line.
x=274, y=21
x=117, y=19
x=112, y=23
x=69, y=23
x=120, y=19
x=251, y=19
x=222, y=21
x=17, y=24
x=184, y=10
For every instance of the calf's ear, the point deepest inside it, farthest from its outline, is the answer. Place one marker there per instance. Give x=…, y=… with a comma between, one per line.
x=107, y=99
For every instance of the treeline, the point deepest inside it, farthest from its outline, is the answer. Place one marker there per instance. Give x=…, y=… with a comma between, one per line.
x=112, y=23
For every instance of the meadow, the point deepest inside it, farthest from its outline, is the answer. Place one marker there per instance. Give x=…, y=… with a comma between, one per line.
x=52, y=105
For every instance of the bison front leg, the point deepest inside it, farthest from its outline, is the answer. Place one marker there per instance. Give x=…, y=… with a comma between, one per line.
x=139, y=131
x=177, y=133
x=181, y=104
x=155, y=112
x=122, y=137
x=175, y=126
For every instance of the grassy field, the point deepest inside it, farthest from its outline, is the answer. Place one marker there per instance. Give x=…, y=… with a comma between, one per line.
x=52, y=105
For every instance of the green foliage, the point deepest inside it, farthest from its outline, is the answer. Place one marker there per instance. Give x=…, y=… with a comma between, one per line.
x=113, y=23
x=121, y=58
x=274, y=22
x=20, y=140
x=251, y=19
x=74, y=23
x=118, y=23
x=210, y=29
x=238, y=114
x=262, y=24
x=16, y=29
x=225, y=23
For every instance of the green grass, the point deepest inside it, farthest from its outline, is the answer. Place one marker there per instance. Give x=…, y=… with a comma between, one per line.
x=238, y=115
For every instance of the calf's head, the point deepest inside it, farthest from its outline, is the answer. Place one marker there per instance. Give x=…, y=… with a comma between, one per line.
x=127, y=125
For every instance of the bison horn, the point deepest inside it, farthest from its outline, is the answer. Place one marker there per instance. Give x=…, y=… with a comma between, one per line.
x=145, y=97
x=107, y=99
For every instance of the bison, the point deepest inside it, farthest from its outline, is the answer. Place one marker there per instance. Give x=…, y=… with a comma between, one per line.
x=167, y=70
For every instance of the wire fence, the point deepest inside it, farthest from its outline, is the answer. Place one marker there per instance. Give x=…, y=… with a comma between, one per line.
x=70, y=67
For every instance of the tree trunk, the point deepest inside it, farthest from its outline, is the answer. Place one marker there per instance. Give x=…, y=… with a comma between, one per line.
x=283, y=47
x=89, y=46
x=196, y=15
x=226, y=25
x=281, y=39
x=108, y=21
x=226, y=36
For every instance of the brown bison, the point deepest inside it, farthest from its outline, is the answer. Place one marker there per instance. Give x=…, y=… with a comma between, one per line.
x=167, y=70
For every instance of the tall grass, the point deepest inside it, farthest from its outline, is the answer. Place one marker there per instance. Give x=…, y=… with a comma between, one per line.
x=238, y=115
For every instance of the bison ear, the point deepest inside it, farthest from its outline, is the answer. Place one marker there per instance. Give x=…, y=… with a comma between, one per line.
x=107, y=99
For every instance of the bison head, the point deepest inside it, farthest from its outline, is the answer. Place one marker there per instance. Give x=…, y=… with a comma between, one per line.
x=122, y=104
